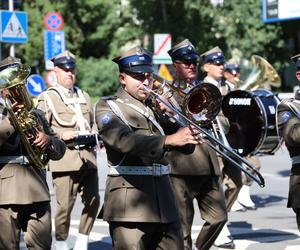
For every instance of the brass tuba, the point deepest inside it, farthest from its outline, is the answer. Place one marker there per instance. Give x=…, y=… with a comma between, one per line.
x=262, y=75
x=25, y=120
x=201, y=103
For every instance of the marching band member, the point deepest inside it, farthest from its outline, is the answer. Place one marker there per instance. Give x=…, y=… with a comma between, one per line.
x=288, y=124
x=213, y=65
x=195, y=175
x=139, y=202
x=69, y=112
x=24, y=193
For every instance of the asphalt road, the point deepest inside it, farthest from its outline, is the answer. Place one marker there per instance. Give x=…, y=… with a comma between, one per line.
x=271, y=226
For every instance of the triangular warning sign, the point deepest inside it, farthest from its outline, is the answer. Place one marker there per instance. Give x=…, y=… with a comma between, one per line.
x=14, y=28
x=164, y=72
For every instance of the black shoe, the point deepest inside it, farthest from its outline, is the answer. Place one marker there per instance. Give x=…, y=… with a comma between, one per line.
x=227, y=245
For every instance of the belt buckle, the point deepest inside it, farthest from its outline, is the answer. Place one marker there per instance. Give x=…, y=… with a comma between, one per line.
x=156, y=169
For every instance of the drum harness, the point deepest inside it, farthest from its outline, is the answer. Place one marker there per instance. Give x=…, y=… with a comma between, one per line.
x=155, y=169
x=74, y=105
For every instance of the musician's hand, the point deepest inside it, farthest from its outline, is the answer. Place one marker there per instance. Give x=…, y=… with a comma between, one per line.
x=184, y=136
x=42, y=140
x=16, y=106
x=68, y=135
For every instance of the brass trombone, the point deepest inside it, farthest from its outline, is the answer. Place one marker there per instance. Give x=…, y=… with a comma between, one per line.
x=212, y=142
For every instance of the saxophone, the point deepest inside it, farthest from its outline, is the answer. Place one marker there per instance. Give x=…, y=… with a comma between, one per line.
x=25, y=119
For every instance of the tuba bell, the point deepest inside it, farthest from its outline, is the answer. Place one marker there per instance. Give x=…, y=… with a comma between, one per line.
x=25, y=120
x=262, y=75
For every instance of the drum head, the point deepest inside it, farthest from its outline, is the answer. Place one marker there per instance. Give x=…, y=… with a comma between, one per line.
x=246, y=121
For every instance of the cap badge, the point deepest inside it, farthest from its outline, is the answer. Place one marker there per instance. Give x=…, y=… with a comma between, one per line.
x=139, y=51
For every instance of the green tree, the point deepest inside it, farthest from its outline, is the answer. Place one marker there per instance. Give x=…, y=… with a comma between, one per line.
x=235, y=26
x=95, y=32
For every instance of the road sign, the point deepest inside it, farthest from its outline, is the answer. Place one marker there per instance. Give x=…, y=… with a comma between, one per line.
x=53, y=21
x=164, y=73
x=162, y=43
x=54, y=44
x=13, y=27
x=280, y=10
x=35, y=85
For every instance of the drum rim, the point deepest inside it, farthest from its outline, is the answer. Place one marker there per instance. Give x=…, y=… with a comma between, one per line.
x=262, y=138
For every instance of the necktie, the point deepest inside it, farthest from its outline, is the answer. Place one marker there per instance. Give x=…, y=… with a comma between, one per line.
x=70, y=94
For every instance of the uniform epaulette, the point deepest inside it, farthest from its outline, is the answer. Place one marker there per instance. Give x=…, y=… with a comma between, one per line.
x=106, y=98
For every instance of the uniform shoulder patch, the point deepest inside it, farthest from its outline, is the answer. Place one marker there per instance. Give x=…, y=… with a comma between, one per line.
x=105, y=119
x=284, y=116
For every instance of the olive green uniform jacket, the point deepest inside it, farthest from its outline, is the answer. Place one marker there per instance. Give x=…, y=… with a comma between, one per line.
x=23, y=183
x=289, y=128
x=134, y=198
x=73, y=158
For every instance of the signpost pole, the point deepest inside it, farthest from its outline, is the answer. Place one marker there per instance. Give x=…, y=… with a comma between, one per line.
x=12, y=46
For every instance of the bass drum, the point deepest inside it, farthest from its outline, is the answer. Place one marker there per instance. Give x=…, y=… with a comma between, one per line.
x=252, y=117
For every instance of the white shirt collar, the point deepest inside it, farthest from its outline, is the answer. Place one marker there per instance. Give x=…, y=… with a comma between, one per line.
x=211, y=80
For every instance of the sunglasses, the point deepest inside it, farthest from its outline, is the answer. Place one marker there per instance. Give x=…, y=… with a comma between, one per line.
x=140, y=76
x=187, y=63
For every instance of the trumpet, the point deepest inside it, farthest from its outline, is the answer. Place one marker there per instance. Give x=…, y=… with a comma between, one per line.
x=187, y=117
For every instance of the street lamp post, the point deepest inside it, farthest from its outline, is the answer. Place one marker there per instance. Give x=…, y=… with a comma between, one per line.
x=12, y=46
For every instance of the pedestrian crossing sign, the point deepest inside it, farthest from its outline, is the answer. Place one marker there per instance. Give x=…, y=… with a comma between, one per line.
x=13, y=27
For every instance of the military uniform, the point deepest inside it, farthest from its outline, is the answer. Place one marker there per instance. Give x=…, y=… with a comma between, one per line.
x=24, y=194
x=71, y=110
x=139, y=203
x=195, y=174
x=288, y=121
x=231, y=175
x=214, y=61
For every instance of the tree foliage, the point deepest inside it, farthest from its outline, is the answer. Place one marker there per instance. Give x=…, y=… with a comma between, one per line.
x=96, y=31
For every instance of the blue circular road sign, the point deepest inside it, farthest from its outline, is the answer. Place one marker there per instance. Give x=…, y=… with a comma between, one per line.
x=35, y=85
x=53, y=21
